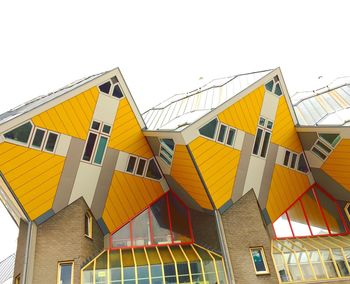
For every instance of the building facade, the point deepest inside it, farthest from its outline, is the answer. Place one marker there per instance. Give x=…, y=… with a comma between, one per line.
x=233, y=182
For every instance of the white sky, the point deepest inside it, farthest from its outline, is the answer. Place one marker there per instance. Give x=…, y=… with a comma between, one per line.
x=163, y=46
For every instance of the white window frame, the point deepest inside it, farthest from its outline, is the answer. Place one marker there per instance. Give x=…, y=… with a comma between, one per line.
x=261, y=248
x=90, y=225
x=42, y=142
x=171, y=152
x=264, y=130
x=274, y=86
x=137, y=165
x=18, y=142
x=59, y=270
x=111, y=89
x=45, y=141
x=145, y=168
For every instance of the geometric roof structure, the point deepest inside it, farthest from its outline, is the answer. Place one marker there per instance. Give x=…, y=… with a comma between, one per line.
x=7, y=268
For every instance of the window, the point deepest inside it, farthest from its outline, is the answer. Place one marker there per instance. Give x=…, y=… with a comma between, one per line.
x=21, y=133
x=209, y=129
x=88, y=225
x=112, y=88
x=153, y=171
x=219, y=132
x=167, y=147
x=259, y=260
x=51, y=142
x=262, y=138
x=38, y=138
x=331, y=138
x=286, y=158
x=131, y=164
x=65, y=272
x=96, y=144
x=325, y=144
x=273, y=86
x=141, y=167
x=18, y=279
x=295, y=161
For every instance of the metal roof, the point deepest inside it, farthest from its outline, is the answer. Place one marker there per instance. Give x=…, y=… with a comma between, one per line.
x=38, y=101
x=7, y=267
x=328, y=106
x=181, y=110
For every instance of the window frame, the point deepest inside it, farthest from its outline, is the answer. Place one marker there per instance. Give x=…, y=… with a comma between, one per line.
x=45, y=141
x=59, y=270
x=110, y=93
x=264, y=130
x=261, y=249
x=135, y=165
x=166, y=149
x=90, y=225
x=347, y=205
x=42, y=142
x=18, y=142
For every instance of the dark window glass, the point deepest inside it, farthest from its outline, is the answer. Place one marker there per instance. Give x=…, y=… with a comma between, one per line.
x=332, y=139
x=278, y=90
x=121, y=238
x=21, y=133
x=286, y=158
x=302, y=166
x=51, y=142
x=106, y=129
x=276, y=79
x=169, y=142
x=323, y=146
x=117, y=92
x=258, y=260
x=179, y=220
x=165, y=158
x=89, y=146
x=257, y=141
x=105, y=87
x=262, y=121
x=102, y=144
x=294, y=159
x=269, y=124
x=38, y=138
x=231, y=136
x=319, y=153
x=131, y=164
x=114, y=80
x=222, y=133
x=141, y=167
x=209, y=129
x=160, y=222
x=141, y=230
x=265, y=144
x=269, y=86
x=152, y=170
x=65, y=273
x=95, y=125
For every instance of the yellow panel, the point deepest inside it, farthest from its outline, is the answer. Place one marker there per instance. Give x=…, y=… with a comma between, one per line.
x=286, y=186
x=245, y=113
x=337, y=164
x=72, y=117
x=33, y=176
x=284, y=132
x=218, y=165
x=185, y=173
x=126, y=133
x=127, y=196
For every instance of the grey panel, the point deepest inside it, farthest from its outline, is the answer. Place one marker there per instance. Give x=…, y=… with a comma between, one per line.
x=42, y=218
x=227, y=205
x=70, y=169
x=243, y=165
x=154, y=143
x=103, y=226
x=330, y=185
x=307, y=139
x=104, y=182
x=267, y=175
x=181, y=192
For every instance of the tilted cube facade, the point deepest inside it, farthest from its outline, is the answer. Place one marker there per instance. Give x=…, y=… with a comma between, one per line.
x=233, y=182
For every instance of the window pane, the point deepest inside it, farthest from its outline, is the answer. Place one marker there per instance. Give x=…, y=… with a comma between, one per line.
x=269, y=86
x=101, y=269
x=65, y=273
x=141, y=167
x=121, y=238
x=231, y=136
x=286, y=158
x=100, y=150
x=222, y=133
x=257, y=141
x=105, y=87
x=88, y=274
x=117, y=92
x=318, y=153
x=115, y=264
x=141, y=230
x=152, y=170
x=89, y=146
x=332, y=139
x=87, y=224
x=95, y=125
x=262, y=121
x=160, y=222
x=51, y=142
x=258, y=260
x=131, y=164
x=38, y=138
x=278, y=90
x=298, y=221
x=323, y=147
x=282, y=228
x=106, y=129
x=302, y=166
x=168, y=142
x=209, y=129
x=21, y=133
x=269, y=124
x=294, y=160
x=265, y=144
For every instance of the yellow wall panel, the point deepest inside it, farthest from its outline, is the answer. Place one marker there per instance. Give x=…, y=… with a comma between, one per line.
x=33, y=176
x=284, y=132
x=245, y=113
x=127, y=196
x=218, y=165
x=126, y=134
x=337, y=164
x=185, y=173
x=72, y=117
x=286, y=186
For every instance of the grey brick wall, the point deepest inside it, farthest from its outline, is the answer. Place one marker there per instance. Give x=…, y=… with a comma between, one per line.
x=244, y=228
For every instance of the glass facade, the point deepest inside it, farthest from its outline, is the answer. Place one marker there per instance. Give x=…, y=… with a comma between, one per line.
x=156, y=265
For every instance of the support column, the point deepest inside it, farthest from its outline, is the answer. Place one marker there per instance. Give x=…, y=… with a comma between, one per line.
x=28, y=266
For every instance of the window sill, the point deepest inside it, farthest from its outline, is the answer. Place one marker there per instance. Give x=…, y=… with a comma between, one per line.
x=88, y=237
x=262, y=273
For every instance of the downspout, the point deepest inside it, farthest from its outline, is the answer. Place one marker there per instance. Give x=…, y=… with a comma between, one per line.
x=27, y=253
x=219, y=226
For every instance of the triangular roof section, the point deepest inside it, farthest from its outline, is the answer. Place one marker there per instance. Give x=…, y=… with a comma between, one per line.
x=40, y=104
x=325, y=107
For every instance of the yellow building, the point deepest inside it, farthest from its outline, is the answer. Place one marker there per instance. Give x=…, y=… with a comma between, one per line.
x=233, y=182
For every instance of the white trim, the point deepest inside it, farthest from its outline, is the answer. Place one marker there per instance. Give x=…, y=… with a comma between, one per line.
x=42, y=141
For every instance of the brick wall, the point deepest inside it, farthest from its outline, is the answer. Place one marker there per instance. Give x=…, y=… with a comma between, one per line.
x=62, y=238
x=244, y=228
